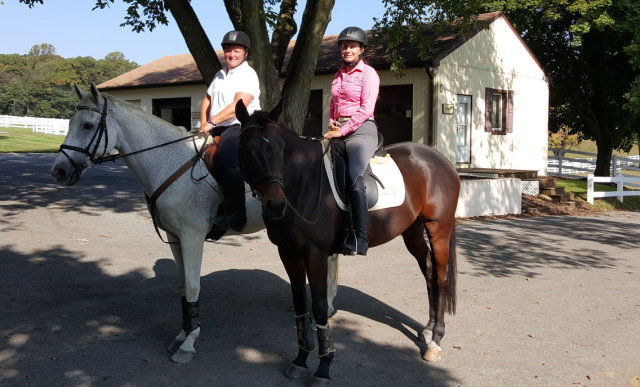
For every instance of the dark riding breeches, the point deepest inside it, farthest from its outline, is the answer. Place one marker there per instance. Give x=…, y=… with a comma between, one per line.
x=227, y=165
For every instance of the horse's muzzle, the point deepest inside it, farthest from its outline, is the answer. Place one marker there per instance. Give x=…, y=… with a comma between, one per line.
x=62, y=175
x=274, y=202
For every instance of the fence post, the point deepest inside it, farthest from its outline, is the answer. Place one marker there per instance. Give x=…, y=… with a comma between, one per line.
x=590, y=188
x=620, y=184
x=560, y=157
x=614, y=166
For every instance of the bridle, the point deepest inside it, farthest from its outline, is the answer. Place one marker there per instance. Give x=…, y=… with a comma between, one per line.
x=269, y=179
x=266, y=179
x=92, y=148
x=101, y=131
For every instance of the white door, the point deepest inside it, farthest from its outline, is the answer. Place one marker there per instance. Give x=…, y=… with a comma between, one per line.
x=463, y=135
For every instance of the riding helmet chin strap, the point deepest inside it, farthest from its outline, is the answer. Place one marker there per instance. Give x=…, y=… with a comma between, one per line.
x=351, y=64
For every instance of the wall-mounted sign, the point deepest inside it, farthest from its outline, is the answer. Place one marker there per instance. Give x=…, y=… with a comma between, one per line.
x=447, y=108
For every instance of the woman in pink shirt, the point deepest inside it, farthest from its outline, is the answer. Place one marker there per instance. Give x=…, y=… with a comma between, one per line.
x=354, y=92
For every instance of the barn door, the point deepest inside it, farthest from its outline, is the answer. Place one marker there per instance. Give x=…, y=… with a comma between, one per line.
x=463, y=134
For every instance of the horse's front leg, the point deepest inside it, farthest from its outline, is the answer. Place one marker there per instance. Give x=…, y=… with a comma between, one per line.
x=317, y=275
x=188, y=256
x=306, y=340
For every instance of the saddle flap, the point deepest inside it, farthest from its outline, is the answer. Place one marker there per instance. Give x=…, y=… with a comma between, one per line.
x=381, y=169
x=210, y=154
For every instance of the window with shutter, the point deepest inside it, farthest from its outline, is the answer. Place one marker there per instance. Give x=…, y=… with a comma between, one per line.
x=498, y=111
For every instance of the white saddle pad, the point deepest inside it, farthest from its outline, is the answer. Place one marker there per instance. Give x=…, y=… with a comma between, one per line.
x=386, y=169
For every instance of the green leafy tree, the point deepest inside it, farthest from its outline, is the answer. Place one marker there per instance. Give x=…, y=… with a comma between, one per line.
x=38, y=84
x=589, y=49
x=256, y=18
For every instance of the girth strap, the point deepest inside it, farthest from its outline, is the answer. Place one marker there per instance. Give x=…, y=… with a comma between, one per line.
x=151, y=200
x=171, y=179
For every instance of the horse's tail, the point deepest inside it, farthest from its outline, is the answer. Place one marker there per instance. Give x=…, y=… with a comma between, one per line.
x=452, y=274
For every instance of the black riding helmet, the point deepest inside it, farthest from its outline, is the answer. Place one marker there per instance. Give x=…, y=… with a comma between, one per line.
x=237, y=37
x=353, y=33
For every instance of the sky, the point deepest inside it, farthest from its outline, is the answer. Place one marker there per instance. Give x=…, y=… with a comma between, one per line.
x=75, y=30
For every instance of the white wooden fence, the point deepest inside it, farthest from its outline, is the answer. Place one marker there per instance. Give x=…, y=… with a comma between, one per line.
x=561, y=165
x=619, y=193
x=57, y=126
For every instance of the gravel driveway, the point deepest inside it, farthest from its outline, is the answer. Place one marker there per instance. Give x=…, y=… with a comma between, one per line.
x=88, y=297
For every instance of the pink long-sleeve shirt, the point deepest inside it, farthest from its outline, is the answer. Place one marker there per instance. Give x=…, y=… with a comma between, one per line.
x=354, y=94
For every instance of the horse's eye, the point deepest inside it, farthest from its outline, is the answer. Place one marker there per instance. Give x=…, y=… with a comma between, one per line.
x=87, y=125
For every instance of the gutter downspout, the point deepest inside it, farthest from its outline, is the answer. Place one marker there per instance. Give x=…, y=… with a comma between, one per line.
x=431, y=73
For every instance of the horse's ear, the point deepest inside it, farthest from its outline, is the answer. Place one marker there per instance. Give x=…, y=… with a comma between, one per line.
x=241, y=111
x=274, y=114
x=94, y=92
x=79, y=92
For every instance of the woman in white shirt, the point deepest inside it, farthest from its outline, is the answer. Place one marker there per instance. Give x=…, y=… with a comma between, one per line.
x=236, y=81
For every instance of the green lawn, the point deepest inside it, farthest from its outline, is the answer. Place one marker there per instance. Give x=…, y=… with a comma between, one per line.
x=590, y=147
x=21, y=140
x=579, y=189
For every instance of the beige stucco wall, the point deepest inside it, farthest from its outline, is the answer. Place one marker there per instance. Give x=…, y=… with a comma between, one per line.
x=495, y=58
x=143, y=97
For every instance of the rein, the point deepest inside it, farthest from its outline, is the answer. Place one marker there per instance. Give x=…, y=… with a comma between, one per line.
x=279, y=179
x=102, y=131
x=319, y=194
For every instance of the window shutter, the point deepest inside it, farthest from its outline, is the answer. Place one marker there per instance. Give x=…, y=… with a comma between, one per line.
x=509, y=110
x=488, y=98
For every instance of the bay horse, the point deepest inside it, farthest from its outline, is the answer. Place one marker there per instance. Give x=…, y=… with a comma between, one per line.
x=164, y=160
x=303, y=219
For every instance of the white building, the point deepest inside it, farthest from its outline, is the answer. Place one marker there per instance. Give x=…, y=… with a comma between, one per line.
x=480, y=99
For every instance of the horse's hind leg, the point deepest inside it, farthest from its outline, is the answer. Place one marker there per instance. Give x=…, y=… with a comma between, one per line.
x=443, y=280
x=414, y=240
x=188, y=256
x=332, y=283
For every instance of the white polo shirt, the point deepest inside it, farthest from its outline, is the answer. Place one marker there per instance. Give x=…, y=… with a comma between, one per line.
x=226, y=84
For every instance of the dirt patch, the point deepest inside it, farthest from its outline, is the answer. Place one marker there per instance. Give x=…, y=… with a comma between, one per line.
x=543, y=205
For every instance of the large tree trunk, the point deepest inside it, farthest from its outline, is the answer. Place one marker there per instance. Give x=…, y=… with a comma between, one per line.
x=301, y=67
x=603, y=161
x=252, y=20
x=266, y=57
x=195, y=37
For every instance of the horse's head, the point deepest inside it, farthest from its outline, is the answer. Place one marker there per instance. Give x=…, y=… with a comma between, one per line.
x=262, y=159
x=87, y=139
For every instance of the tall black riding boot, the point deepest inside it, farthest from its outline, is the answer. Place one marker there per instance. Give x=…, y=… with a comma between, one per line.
x=235, y=216
x=356, y=241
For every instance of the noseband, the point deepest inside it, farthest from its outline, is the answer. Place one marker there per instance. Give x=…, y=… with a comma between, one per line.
x=100, y=132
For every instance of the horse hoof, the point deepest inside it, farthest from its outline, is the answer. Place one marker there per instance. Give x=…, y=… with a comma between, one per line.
x=432, y=354
x=173, y=347
x=182, y=356
x=297, y=372
x=320, y=382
